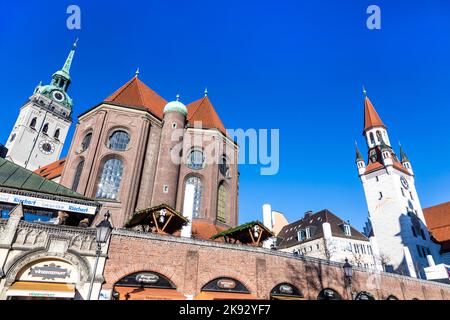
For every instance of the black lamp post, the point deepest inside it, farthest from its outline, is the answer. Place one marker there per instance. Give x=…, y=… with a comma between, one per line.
x=348, y=274
x=104, y=229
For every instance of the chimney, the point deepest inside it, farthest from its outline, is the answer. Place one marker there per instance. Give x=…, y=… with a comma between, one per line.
x=308, y=214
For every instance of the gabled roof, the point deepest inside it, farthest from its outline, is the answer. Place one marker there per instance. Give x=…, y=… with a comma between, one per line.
x=438, y=222
x=315, y=221
x=52, y=170
x=244, y=233
x=371, y=117
x=203, y=111
x=15, y=177
x=135, y=93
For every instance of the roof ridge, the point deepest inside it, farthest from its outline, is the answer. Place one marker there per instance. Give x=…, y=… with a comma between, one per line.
x=202, y=99
x=138, y=84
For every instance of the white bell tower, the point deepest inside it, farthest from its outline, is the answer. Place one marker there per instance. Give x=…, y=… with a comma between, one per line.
x=396, y=220
x=38, y=135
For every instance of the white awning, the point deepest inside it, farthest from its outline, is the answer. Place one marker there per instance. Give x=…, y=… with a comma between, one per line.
x=41, y=289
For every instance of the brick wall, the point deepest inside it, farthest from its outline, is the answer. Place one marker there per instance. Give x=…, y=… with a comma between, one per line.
x=190, y=264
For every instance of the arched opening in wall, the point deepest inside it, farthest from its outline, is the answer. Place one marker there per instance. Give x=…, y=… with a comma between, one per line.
x=33, y=123
x=225, y=289
x=48, y=279
x=56, y=135
x=379, y=136
x=372, y=139
x=86, y=142
x=391, y=297
x=146, y=285
x=118, y=140
x=286, y=291
x=364, y=295
x=329, y=294
x=45, y=128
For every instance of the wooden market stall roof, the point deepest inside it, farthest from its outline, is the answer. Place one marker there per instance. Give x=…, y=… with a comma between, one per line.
x=161, y=218
x=253, y=233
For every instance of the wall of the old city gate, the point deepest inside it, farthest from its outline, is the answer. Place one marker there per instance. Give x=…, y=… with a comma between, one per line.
x=190, y=264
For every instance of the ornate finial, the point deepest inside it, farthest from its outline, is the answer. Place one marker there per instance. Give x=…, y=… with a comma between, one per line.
x=75, y=43
x=206, y=92
x=178, y=97
x=137, y=72
x=364, y=91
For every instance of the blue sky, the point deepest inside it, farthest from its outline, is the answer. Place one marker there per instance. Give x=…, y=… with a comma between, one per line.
x=293, y=65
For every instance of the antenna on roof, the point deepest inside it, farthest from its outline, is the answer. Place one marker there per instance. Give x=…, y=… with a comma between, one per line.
x=137, y=72
x=206, y=92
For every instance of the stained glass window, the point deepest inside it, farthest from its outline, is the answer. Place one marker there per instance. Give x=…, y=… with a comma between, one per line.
x=222, y=204
x=78, y=172
x=198, y=189
x=119, y=140
x=195, y=160
x=109, y=183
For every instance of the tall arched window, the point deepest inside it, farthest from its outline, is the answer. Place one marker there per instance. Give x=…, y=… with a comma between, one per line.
x=33, y=123
x=222, y=204
x=45, y=128
x=119, y=140
x=78, y=172
x=372, y=139
x=198, y=189
x=379, y=135
x=56, y=135
x=86, y=141
x=109, y=182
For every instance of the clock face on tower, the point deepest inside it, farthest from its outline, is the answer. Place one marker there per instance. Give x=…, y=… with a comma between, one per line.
x=58, y=95
x=46, y=147
x=404, y=182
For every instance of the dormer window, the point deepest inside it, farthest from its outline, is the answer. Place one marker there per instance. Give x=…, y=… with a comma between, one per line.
x=347, y=230
x=304, y=234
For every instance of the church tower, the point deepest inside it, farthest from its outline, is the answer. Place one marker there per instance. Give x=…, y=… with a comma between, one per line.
x=396, y=224
x=38, y=135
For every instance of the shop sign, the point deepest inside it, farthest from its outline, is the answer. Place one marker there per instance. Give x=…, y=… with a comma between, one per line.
x=147, y=278
x=226, y=284
x=286, y=289
x=49, y=272
x=48, y=204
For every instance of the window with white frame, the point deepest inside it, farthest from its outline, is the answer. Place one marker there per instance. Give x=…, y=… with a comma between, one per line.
x=347, y=230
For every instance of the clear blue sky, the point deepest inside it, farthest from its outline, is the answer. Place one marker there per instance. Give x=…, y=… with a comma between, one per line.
x=293, y=65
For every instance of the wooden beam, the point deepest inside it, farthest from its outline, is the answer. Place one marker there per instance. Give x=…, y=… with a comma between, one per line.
x=259, y=237
x=167, y=222
x=156, y=222
x=251, y=235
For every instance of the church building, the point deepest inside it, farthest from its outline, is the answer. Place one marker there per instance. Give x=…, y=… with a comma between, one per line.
x=396, y=228
x=135, y=150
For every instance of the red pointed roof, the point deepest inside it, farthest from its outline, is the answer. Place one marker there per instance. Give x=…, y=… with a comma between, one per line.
x=135, y=93
x=52, y=170
x=203, y=111
x=371, y=117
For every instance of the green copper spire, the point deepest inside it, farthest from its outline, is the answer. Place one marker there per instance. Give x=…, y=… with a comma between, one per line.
x=358, y=154
x=403, y=156
x=66, y=68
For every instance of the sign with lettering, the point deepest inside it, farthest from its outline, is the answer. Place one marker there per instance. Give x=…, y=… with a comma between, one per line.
x=50, y=271
x=148, y=278
x=226, y=284
x=48, y=204
x=286, y=289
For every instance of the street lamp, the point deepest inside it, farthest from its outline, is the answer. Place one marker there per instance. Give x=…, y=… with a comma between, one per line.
x=104, y=229
x=348, y=274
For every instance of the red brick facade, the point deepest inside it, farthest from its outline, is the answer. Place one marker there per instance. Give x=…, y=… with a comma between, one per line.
x=190, y=264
